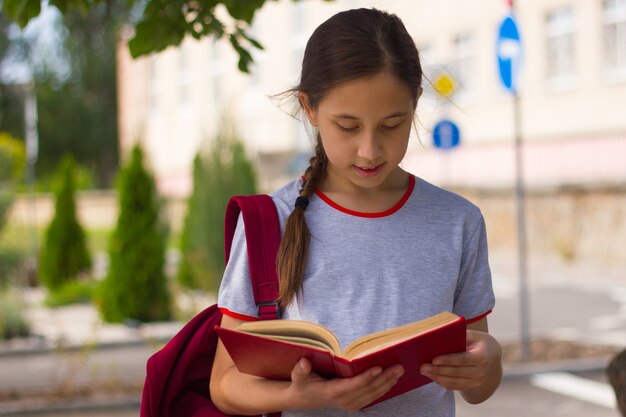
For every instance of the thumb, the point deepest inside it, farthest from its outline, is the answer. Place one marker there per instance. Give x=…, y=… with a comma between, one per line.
x=301, y=370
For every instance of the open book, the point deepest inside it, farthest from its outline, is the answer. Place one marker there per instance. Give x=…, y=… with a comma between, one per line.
x=271, y=348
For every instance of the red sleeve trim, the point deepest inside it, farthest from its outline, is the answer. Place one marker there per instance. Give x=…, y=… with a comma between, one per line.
x=237, y=315
x=477, y=318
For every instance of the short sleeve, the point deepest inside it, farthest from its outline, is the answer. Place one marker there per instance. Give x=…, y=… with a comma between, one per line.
x=236, y=297
x=474, y=297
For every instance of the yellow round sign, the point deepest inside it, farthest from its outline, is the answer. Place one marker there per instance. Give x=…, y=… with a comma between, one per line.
x=445, y=85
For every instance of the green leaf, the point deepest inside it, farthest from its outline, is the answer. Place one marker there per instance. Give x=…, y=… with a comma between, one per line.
x=216, y=27
x=245, y=59
x=250, y=39
x=243, y=10
x=206, y=24
x=65, y=6
x=155, y=35
x=22, y=11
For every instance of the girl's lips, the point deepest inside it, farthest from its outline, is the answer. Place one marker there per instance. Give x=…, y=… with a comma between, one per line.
x=369, y=172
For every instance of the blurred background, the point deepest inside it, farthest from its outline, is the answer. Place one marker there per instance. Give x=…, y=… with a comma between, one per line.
x=125, y=125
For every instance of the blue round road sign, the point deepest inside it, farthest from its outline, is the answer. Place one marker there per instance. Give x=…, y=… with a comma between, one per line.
x=446, y=134
x=509, y=52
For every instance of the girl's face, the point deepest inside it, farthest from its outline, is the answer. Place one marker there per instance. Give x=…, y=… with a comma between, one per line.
x=364, y=125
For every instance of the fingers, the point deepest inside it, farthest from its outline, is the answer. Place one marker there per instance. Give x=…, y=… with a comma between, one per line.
x=350, y=394
x=378, y=381
x=456, y=383
x=353, y=394
x=454, y=377
x=468, y=369
x=301, y=370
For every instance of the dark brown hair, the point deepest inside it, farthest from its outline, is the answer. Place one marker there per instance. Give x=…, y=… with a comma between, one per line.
x=350, y=45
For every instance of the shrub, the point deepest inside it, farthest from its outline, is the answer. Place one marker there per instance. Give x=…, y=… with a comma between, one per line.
x=225, y=172
x=13, y=322
x=6, y=200
x=12, y=158
x=84, y=179
x=135, y=286
x=11, y=260
x=12, y=161
x=64, y=254
x=194, y=244
x=71, y=293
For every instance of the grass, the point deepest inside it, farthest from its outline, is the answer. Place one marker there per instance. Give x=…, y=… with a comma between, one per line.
x=20, y=236
x=12, y=320
x=17, y=241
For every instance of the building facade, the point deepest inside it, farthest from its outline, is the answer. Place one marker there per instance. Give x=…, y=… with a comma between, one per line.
x=571, y=104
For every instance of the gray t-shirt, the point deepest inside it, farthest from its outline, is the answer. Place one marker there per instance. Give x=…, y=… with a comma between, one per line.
x=371, y=271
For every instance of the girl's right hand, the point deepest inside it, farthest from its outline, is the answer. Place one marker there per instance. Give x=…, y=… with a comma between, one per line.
x=309, y=390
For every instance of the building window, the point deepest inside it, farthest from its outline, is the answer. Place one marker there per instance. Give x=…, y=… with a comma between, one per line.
x=430, y=69
x=153, y=84
x=183, y=75
x=258, y=57
x=462, y=63
x=216, y=72
x=426, y=54
x=299, y=37
x=298, y=18
x=560, y=56
x=614, y=19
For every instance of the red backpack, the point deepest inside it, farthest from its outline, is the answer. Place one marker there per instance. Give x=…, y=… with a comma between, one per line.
x=177, y=378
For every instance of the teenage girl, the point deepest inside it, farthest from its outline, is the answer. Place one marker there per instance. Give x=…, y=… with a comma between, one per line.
x=366, y=246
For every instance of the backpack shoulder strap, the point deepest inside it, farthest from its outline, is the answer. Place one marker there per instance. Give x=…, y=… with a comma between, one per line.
x=263, y=239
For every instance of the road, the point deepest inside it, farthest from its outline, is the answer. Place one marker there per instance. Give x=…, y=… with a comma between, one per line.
x=566, y=302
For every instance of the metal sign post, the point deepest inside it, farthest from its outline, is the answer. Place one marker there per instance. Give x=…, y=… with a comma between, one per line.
x=32, y=152
x=509, y=52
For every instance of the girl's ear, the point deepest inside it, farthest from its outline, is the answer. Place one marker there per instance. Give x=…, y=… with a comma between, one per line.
x=310, y=113
x=419, y=94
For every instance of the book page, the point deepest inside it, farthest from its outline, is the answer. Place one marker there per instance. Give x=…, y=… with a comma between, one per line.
x=380, y=340
x=294, y=330
x=302, y=341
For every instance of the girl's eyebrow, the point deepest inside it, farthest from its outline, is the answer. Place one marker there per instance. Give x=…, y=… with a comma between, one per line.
x=351, y=117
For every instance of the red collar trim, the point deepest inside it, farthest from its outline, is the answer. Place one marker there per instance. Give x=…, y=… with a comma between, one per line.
x=385, y=213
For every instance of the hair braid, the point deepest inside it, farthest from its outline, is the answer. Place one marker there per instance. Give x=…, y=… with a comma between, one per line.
x=294, y=245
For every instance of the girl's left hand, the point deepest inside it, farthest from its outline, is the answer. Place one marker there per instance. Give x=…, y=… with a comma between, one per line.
x=476, y=372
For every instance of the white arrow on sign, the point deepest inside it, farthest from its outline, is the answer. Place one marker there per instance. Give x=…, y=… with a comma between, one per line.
x=509, y=49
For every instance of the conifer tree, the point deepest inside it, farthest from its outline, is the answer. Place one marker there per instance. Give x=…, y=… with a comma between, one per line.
x=224, y=172
x=194, y=243
x=136, y=286
x=65, y=254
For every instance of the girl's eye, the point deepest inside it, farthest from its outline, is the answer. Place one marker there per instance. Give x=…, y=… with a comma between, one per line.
x=390, y=127
x=347, y=129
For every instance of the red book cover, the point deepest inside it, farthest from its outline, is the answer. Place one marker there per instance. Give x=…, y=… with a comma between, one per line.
x=275, y=359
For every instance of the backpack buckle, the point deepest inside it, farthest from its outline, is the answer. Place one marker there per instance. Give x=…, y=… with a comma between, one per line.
x=269, y=310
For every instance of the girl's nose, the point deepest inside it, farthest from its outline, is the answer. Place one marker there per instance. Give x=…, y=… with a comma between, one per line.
x=369, y=147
